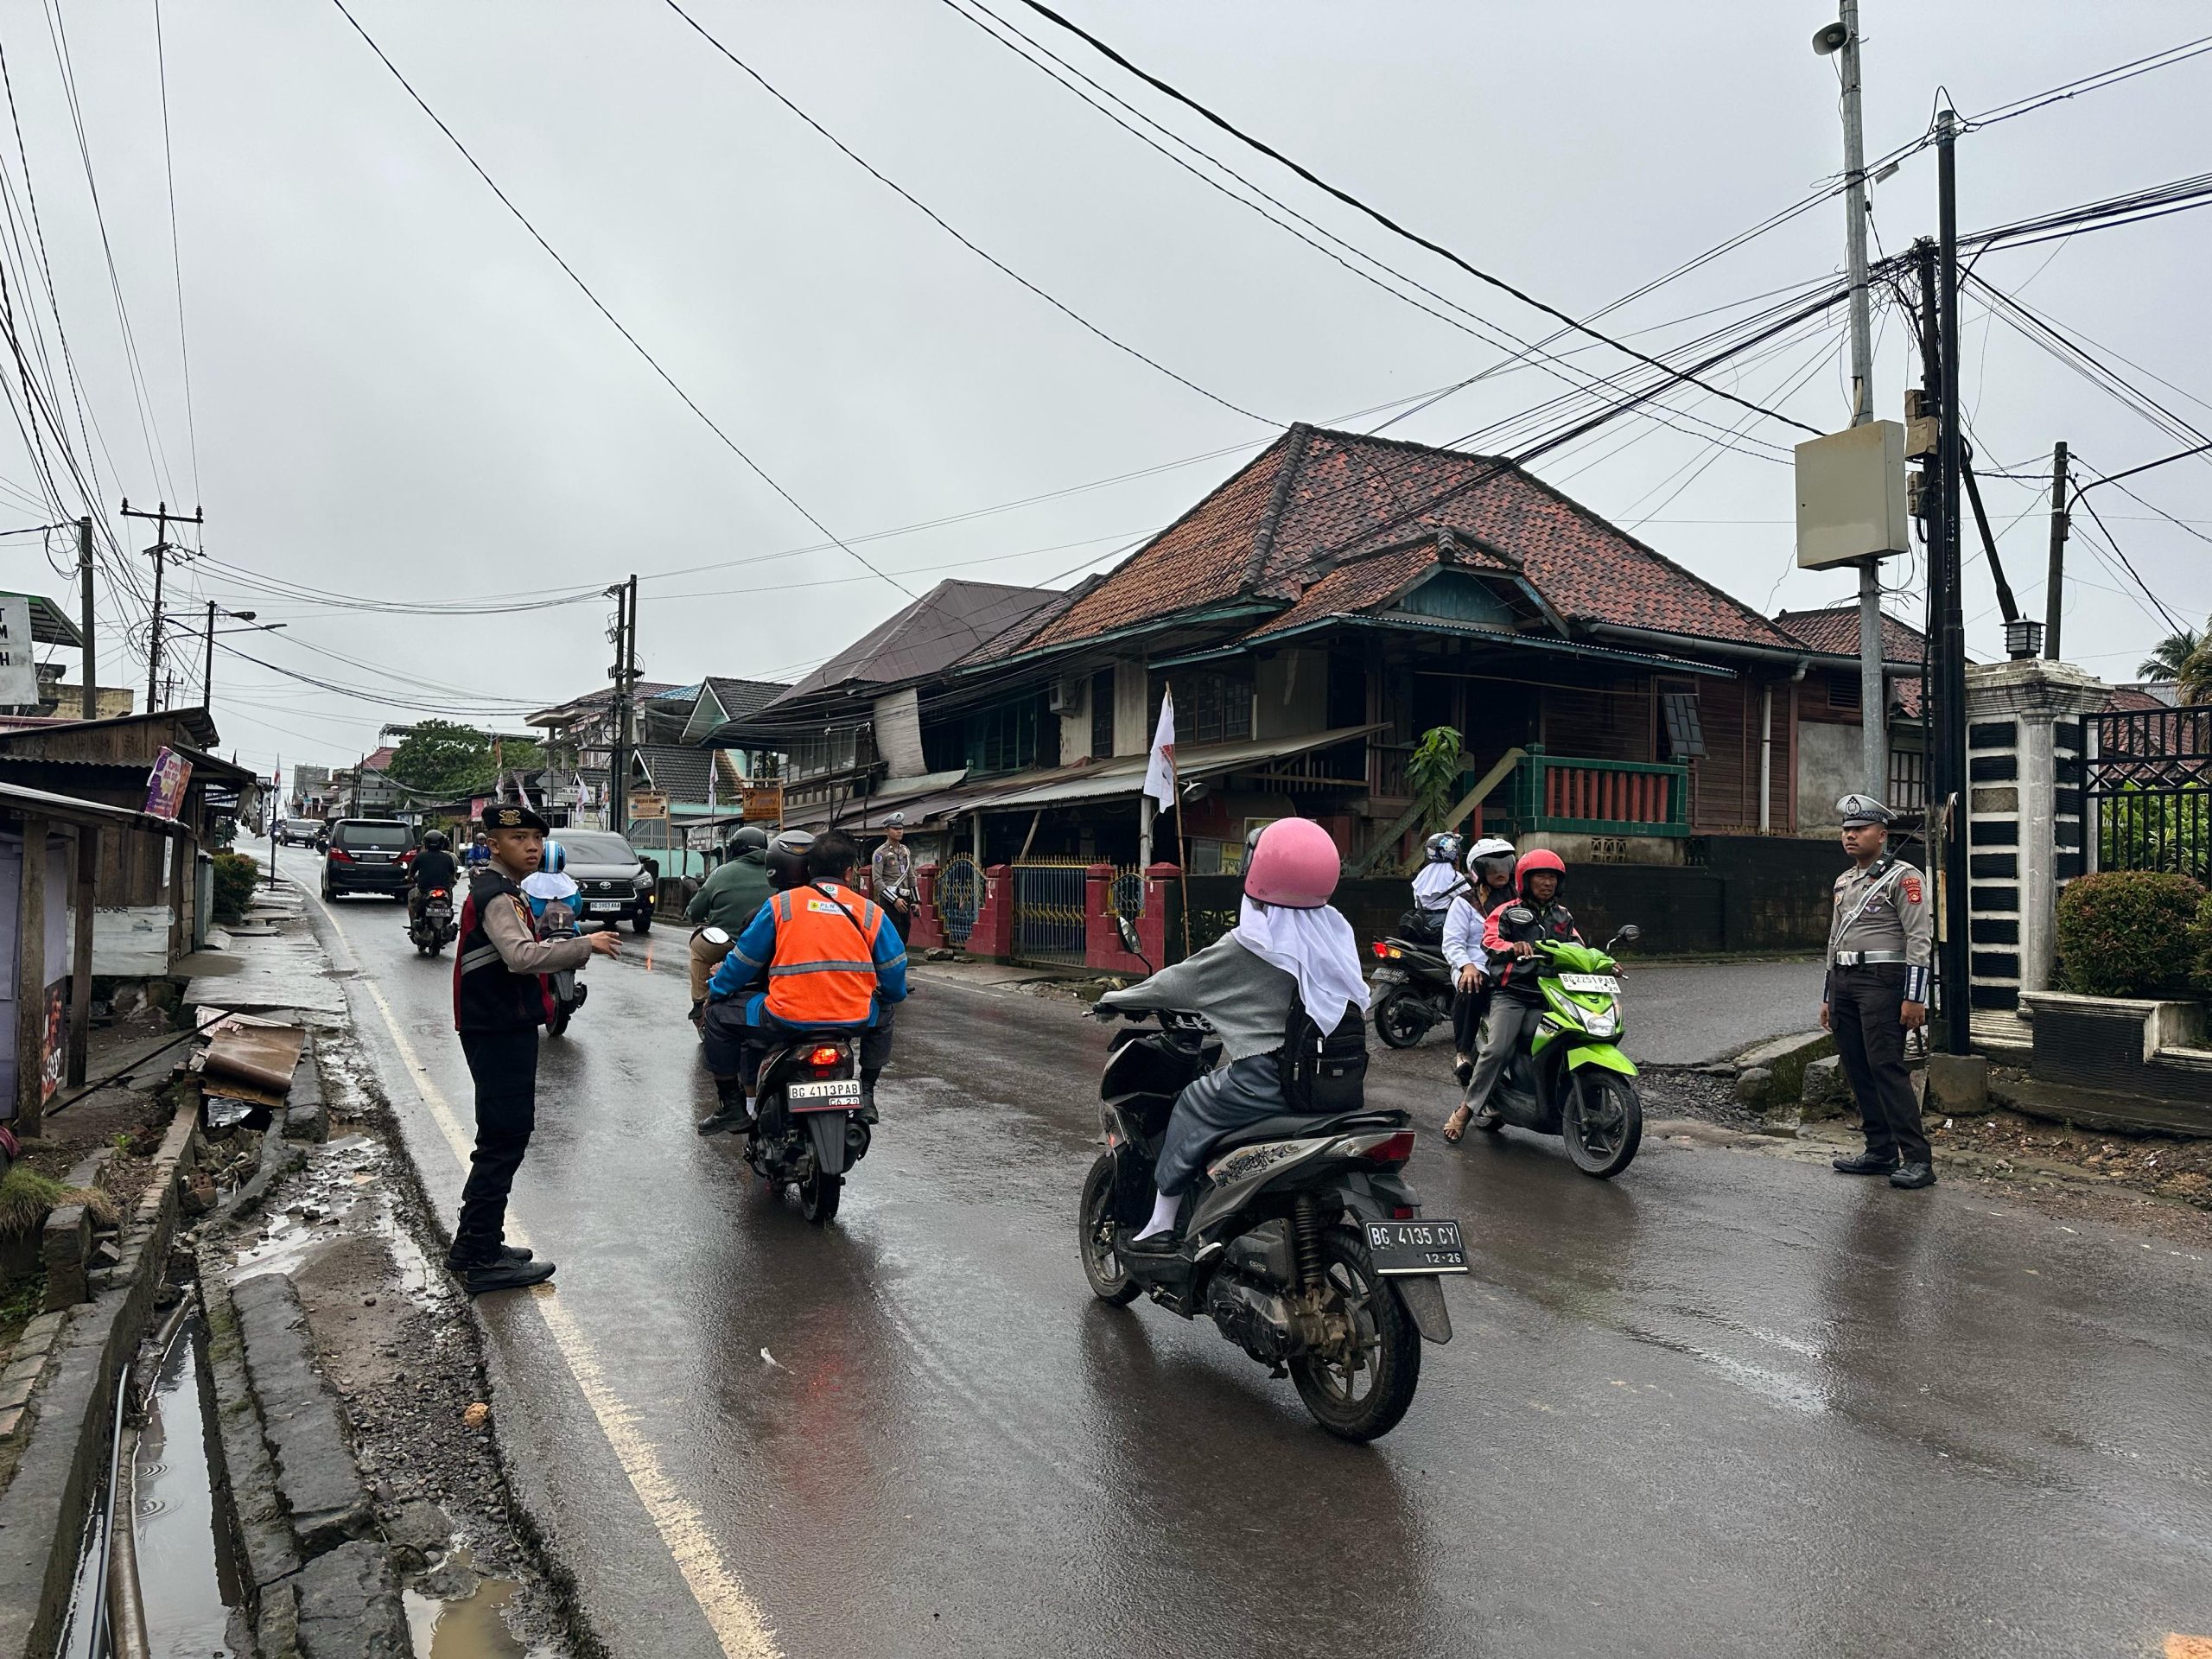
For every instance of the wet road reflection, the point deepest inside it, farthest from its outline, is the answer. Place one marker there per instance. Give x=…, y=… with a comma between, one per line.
x=1728, y=1404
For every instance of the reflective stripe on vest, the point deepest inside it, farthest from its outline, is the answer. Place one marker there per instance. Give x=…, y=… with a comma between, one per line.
x=815, y=978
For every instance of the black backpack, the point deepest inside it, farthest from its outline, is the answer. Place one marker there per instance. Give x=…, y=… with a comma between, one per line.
x=1323, y=1072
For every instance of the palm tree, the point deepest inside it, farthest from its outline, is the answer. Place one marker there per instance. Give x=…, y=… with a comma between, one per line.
x=2170, y=657
x=2195, y=675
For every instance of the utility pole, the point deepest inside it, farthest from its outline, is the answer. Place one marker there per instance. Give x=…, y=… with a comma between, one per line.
x=2054, y=583
x=623, y=675
x=1841, y=38
x=89, y=707
x=160, y=549
x=1948, y=660
x=207, y=676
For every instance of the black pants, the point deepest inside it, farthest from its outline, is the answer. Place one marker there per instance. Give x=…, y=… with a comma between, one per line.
x=1862, y=1012
x=1468, y=1009
x=505, y=1065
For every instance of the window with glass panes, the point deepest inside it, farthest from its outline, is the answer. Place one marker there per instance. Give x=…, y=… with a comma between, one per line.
x=1209, y=707
x=1101, y=713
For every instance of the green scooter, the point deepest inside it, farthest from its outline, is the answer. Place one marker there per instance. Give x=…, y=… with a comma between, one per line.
x=1571, y=1080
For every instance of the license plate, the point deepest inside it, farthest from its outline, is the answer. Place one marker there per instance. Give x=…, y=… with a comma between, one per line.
x=841, y=1095
x=1591, y=984
x=605, y=906
x=1415, y=1247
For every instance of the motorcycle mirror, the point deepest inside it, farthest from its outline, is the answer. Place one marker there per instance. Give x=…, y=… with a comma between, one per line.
x=1127, y=929
x=1630, y=934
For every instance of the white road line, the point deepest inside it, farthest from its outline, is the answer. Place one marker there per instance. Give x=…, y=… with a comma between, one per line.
x=731, y=1612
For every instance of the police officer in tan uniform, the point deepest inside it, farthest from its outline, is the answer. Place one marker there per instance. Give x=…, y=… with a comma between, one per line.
x=1881, y=936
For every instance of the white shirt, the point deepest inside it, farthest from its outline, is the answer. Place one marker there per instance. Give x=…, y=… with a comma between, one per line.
x=1463, y=936
x=1431, y=882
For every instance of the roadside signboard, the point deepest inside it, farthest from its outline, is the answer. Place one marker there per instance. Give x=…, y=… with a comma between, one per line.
x=165, y=785
x=764, y=802
x=18, y=670
x=648, y=803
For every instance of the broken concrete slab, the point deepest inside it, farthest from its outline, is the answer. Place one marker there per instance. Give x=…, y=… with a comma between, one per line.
x=317, y=1478
x=349, y=1607
x=287, y=971
x=1958, y=1085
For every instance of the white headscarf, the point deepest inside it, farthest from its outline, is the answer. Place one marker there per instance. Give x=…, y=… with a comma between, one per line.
x=1316, y=948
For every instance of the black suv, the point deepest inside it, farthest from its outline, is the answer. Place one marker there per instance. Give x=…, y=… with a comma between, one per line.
x=368, y=856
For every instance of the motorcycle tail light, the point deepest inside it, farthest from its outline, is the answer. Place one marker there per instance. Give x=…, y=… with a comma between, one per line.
x=824, y=1058
x=1402, y=1212
x=1381, y=948
x=1388, y=1149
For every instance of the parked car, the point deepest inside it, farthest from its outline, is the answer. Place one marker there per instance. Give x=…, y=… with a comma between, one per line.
x=299, y=832
x=613, y=883
x=368, y=856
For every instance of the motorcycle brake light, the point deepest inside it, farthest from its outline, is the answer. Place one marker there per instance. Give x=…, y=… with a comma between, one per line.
x=1402, y=1212
x=824, y=1057
x=1389, y=1148
x=1381, y=948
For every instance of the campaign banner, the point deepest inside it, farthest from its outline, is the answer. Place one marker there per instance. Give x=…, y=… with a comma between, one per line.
x=166, y=784
x=18, y=667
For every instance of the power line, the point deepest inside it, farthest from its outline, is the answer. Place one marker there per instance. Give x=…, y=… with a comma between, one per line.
x=1384, y=219
x=598, y=305
x=939, y=220
x=176, y=251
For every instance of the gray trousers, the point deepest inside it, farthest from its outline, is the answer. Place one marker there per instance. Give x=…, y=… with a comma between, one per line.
x=1511, y=1021
x=1241, y=1092
x=1865, y=1008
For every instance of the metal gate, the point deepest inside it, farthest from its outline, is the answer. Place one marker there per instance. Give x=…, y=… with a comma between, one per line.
x=2150, y=791
x=959, y=894
x=1049, y=920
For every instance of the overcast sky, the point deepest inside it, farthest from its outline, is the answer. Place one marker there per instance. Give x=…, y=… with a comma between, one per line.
x=397, y=395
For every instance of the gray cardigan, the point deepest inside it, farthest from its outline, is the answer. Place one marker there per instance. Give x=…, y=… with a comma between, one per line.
x=1246, y=1000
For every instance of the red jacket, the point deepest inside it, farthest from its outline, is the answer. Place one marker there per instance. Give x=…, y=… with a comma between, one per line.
x=1518, y=921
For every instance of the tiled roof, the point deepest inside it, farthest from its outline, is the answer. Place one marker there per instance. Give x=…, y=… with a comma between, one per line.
x=2132, y=699
x=381, y=761
x=944, y=625
x=679, y=774
x=1361, y=583
x=1834, y=630
x=740, y=698
x=1316, y=497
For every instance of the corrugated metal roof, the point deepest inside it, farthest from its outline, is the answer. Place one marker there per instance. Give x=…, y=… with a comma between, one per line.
x=952, y=620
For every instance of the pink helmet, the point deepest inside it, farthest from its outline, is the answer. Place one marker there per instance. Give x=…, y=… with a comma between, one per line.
x=1294, y=864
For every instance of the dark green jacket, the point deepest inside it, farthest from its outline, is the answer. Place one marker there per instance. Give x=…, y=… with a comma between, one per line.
x=727, y=898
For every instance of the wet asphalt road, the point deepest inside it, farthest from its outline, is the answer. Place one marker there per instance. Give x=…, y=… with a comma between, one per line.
x=1726, y=1405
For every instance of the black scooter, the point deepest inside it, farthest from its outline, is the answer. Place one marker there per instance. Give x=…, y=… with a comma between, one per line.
x=813, y=1124
x=434, y=927
x=1412, y=989
x=1302, y=1242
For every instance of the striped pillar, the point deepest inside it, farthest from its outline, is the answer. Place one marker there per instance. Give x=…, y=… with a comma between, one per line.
x=2024, y=726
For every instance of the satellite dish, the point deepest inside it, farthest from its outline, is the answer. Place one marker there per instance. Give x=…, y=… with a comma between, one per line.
x=1834, y=38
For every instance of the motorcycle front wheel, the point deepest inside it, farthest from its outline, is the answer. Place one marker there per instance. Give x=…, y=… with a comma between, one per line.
x=1602, y=1123
x=1362, y=1394
x=1400, y=1020
x=1110, y=1280
x=559, y=1021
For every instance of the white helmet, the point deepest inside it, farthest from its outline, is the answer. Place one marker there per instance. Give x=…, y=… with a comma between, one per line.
x=1488, y=847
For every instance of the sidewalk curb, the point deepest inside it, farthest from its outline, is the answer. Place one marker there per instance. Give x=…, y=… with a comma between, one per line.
x=57, y=1476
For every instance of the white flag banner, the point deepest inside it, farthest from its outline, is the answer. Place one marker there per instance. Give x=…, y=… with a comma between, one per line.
x=1160, y=771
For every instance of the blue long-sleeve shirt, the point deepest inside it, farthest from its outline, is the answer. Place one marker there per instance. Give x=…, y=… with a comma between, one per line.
x=755, y=948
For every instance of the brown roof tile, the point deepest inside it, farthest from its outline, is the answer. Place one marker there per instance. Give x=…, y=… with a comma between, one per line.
x=1315, y=498
x=1833, y=629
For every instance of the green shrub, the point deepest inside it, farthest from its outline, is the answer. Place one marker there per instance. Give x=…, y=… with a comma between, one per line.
x=235, y=874
x=2128, y=933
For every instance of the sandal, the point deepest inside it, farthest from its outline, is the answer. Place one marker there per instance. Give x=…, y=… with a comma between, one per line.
x=1456, y=1125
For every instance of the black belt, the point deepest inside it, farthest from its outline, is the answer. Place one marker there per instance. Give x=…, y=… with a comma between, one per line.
x=1867, y=958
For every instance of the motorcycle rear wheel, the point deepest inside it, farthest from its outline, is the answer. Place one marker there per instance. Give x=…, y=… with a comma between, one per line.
x=1602, y=1123
x=558, y=1022
x=1110, y=1281
x=1400, y=1020
x=1389, y=1349
x=818, y=1195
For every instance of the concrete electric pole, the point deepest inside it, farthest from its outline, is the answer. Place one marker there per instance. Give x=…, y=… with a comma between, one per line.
x=160, y=549
x=1841, y=38
x=90, y=704
x=2054, y=579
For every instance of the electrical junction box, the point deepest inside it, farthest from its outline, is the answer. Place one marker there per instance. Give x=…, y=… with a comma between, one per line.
x=1850, y=496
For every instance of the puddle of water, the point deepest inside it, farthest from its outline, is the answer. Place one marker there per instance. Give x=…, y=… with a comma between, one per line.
x=468, y=1628
x=180, y=1580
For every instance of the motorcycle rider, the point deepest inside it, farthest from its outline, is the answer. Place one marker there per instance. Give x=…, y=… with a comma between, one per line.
x=1287, y=939
x=1434, y=883
x=433, y=868
x=1489, y=868
x=834, y=966
x=1510, y=936
x=727, y=899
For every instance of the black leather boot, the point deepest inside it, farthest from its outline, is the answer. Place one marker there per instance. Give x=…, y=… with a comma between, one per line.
x=1863, y=1163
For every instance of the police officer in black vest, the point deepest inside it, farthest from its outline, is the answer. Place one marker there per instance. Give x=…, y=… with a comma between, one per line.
x=499, y=1000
